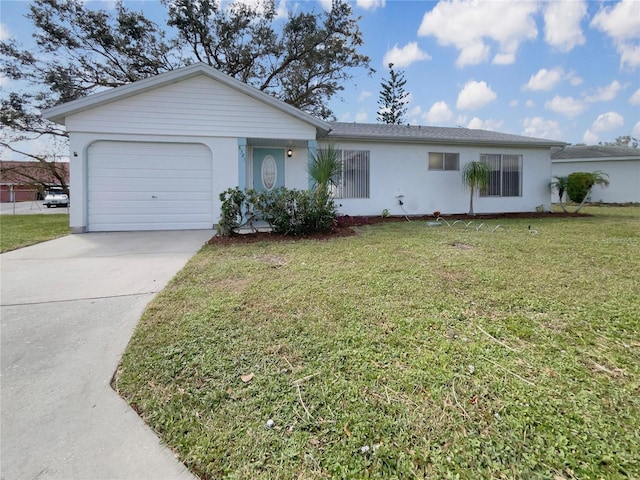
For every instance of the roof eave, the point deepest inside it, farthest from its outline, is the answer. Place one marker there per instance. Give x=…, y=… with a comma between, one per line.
x=443, y=141
x=594, y=159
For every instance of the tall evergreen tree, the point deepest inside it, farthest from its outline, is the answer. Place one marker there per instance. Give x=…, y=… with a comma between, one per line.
x=393, y=98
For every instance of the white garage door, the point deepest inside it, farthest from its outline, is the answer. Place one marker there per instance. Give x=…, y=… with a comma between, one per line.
x=149, y=186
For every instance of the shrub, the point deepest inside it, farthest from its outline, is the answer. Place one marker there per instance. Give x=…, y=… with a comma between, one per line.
x=578, y=186
x=288, y=212
x=233, y=199
x=297, y=212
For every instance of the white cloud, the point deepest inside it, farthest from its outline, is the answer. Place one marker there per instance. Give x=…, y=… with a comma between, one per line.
x=562, y=28
x=622, y=23
x=568, y=106
x=361, y=117
x=604, y=94
x=5, y=34
x=438, y=113
x=258, y=5
x=590, y=138
x=326, y=4
x=405, y=56
x=636, y=130
x=607, y=121
x=514, y=103
x=370, y=4
x=4, y=81
x=475, y=95
x=541, y=128
x=281, y=10
x=629, y=55
x=504, y=58
x=574, y=80
x=473, y=54
x=530, y=103
x=545, y=79
x=415, y=111
x=467, y=24
x=635, y=98
x=490, y=124
x=364, y=95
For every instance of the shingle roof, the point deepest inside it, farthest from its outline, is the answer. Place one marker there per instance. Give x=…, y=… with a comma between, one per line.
x=593, y=151
x=426, y=134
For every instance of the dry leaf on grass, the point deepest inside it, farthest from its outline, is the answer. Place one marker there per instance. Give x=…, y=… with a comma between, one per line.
x=247, y=378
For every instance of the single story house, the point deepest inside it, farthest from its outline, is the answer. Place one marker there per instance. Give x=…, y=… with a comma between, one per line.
x=622, y=164
x=155, y=155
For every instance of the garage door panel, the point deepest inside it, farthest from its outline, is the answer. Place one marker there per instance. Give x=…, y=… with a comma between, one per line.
x=123, y=227
x=159, y=208
x=157, y=185
x=151, y=173
x=149, y=186
x=157, y=218
x=162, y=196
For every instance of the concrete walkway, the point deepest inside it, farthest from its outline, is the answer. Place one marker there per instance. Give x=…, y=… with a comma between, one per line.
x=68, y=309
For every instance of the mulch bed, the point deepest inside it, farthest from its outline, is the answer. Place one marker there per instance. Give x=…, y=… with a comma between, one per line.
x=346, y=222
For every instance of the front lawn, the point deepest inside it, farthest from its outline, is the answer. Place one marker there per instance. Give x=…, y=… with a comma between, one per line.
x=17, y=231
x=404, y=352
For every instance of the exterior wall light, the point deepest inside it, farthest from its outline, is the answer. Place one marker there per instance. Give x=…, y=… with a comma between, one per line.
x=289, y=153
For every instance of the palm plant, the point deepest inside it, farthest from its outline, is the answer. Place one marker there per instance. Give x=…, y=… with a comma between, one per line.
x=325, y=168
x=475, y=175
x=560, y=184
x=593, y=178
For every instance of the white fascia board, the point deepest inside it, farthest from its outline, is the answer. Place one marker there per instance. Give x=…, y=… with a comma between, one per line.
x=441, y=141
x=595, y=159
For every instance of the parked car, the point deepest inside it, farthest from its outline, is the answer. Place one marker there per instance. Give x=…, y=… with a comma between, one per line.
x=56, y=198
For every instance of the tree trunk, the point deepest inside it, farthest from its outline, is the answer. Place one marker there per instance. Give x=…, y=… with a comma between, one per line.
x=471, y=203
x=564, y=209
x=583, y=200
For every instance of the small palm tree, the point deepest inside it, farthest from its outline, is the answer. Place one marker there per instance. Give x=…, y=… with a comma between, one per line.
x=560, y=184
x=324, y=168
x=594, y=178
x=475, y=175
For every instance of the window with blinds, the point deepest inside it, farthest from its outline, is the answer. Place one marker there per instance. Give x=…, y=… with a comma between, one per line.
x=505, y=179
x=353, y=181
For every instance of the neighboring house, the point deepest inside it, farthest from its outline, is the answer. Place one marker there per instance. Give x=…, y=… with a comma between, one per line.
x=622, y=164
x=156, y=154
x=27, y=181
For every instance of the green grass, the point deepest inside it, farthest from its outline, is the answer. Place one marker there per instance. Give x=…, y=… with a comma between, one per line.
x=17, y=231
x=449, y=352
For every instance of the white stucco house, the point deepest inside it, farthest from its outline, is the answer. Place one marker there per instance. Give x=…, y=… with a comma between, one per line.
x=155, y=155
x=622, y=164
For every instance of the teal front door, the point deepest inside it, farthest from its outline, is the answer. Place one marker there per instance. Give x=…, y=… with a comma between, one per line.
x=268, y=168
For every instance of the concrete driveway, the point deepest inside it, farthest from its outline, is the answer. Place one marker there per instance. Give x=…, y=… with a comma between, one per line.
x=68, y=308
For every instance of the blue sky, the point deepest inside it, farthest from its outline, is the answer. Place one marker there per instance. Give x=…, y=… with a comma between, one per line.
x=563, y=70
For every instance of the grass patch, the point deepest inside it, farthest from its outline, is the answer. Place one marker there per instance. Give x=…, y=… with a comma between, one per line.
x=404, y=352
x=17, y=231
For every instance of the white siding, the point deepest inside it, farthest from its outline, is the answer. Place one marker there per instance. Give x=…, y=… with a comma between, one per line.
x=195, y=106
x=403, y=169
x=624, y=178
